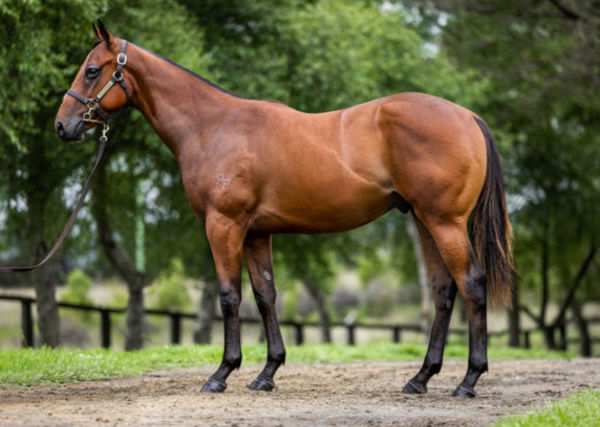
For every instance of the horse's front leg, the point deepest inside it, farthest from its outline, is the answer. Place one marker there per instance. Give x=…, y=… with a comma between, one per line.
x=257, y=254
x=226, y=238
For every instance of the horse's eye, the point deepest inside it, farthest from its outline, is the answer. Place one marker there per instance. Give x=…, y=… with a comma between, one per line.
x=92, y=72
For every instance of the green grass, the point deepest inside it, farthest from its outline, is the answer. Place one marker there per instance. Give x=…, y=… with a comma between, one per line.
x=42, y=366
x=579, y=409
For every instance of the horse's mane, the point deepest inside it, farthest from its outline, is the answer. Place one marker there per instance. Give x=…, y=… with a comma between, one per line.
x=181, y=67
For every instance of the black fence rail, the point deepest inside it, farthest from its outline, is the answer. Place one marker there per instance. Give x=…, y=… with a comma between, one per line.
x=176, y=318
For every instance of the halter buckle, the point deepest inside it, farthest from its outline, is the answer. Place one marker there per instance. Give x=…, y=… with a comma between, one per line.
x=118, y=76
x=121, y=58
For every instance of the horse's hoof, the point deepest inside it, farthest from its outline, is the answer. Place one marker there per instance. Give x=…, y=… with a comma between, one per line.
x=213, y=386
x=464, y=391
x=412, y=387
x=262, y=384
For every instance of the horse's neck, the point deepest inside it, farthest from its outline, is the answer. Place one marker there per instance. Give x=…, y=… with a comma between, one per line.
x=177, y=104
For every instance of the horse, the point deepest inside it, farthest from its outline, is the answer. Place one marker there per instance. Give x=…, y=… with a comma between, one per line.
x=252, y=168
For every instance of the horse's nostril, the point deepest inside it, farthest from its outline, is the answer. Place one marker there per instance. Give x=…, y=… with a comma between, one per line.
x=60, y=129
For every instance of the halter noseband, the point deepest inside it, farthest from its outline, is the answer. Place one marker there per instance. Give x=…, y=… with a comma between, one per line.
x=93, y=104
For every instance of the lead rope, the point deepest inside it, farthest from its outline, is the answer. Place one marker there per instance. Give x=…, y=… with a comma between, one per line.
x=101, y=145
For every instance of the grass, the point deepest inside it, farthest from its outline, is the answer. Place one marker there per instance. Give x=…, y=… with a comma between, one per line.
x=43, y=366
x=579, y=409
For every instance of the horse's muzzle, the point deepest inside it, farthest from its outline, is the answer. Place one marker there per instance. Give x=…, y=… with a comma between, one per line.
x=72, y=130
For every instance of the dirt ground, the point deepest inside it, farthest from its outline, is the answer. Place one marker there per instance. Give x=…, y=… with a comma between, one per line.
x=365, y=394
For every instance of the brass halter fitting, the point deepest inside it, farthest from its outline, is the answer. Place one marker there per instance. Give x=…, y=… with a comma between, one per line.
x=93, y=104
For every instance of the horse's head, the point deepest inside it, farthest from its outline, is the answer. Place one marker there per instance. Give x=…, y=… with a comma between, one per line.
x=92, y=97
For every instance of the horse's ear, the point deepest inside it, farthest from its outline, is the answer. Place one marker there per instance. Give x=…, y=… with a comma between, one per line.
x=104, y=32
x=96, y=32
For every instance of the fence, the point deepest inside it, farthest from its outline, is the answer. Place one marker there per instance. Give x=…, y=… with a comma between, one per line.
x=176, y=318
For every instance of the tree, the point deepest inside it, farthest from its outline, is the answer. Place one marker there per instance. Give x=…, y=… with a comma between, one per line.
x=541, y=59
x=36, y=47
x=43, y=45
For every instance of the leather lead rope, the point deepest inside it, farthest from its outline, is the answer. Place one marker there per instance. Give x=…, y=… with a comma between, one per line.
x=67, y=229
x=93, y=105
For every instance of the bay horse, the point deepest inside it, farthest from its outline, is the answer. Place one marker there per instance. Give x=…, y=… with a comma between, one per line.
x=253, y=168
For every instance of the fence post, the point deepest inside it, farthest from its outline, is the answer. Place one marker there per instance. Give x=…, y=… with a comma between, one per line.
x=350, y=327
x=299, y=333
x=26, y=323
x=175, y=328
x=105, y=328
x=397, y=334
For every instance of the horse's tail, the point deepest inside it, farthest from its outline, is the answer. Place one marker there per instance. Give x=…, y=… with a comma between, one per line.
x=492, y=232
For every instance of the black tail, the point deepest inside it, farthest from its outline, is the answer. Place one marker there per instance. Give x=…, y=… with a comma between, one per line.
x=492, y=232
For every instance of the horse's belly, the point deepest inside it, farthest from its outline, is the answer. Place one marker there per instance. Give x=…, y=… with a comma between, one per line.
x=323, y=210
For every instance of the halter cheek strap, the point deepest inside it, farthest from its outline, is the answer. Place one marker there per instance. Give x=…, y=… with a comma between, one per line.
x=93, y=104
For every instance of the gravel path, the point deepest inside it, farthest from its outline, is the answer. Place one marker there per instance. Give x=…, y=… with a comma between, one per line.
x=365, y=394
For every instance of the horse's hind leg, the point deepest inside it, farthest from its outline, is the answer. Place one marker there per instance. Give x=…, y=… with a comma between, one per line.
x=455, y=249
x=444, y=292
x=257, y=254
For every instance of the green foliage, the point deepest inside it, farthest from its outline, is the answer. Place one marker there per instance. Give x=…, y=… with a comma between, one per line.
x=42, y=45
x=37, y=45
x=521, y=65
x=290, y=300
x=118, y=295
x=543, y=109
x=78, y=287
x=42, y=366
x=369, y=267
x=169, y=290
x=77, y=292
x=344, y=51
x=579, y=409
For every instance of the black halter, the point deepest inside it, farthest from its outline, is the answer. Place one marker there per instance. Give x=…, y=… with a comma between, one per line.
x=93, y=104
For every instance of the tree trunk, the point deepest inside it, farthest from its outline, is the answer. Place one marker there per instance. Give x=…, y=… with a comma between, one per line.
x=424, y=318
x=135, y=280
x=559, y=322
x=549, y=337
x=585, y=342
x=134, y=337
x=205, y=313
x=47, y=310
x=45, y=288
x=545, y=284
x=514, y=322
x=583, y=269
x=319, y=298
